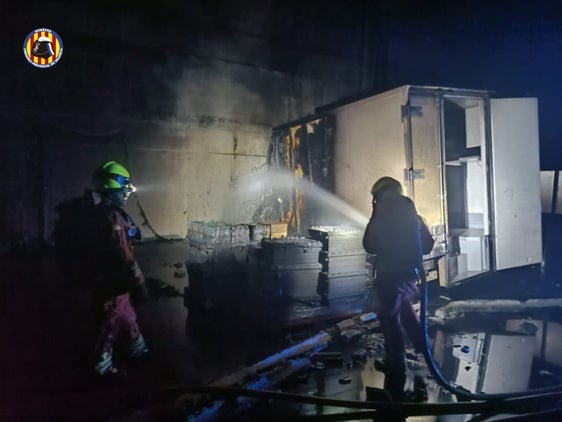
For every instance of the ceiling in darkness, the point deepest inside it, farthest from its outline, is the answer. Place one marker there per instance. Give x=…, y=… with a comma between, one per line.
x=512, y=48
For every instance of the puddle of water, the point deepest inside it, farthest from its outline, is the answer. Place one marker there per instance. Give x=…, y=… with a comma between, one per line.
x=495, y=354
x=515, y=352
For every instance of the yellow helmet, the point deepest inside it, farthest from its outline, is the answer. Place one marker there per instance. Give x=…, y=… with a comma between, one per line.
x=386, y=185
x=112, y=175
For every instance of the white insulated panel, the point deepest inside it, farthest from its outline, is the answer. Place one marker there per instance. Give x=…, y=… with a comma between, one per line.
x=508, y=365
x=516, y=182
x=368, y=144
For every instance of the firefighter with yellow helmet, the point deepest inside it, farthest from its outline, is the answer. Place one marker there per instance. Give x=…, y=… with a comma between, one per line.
x=117, y=272
x=398, y=237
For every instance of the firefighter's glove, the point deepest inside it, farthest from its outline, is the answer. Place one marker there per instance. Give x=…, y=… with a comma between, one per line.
x=137, y=273
x=139, y=292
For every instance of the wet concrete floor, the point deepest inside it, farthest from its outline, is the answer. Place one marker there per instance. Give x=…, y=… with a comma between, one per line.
x=47, y=334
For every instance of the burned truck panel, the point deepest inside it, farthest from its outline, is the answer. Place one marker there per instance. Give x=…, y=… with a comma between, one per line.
x=305, y=149
x=469, y=162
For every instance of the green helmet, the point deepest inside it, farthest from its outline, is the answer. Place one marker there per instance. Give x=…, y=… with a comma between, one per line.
x=112, y=175
x=386, y=185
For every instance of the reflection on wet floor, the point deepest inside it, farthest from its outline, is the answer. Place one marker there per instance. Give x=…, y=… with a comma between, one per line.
x=486, y=353
x=344, y=370
x=500, y=353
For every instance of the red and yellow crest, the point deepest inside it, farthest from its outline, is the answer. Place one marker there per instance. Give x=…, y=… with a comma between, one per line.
x=42, y=47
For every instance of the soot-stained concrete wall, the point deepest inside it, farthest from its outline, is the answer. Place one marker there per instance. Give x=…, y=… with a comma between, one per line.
x=185, y=95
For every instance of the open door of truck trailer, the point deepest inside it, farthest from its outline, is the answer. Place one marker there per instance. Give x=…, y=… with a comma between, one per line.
x=447, y=176
x=472, y=168
x=515, y=177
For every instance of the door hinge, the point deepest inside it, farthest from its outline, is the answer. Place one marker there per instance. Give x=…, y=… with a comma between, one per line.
x=411, y=174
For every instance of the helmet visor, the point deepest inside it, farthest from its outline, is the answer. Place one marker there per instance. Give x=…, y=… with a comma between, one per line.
x=124, y=182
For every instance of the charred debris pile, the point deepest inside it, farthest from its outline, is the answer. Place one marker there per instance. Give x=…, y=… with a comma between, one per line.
x=275, y=276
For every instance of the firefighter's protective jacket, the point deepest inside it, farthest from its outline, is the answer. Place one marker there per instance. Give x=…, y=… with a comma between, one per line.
x=120, y=271
x=94, y=247
x=398, y=237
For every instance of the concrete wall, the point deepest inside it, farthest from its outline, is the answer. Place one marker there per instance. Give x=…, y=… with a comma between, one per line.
x=187, y=164
x=185, y=95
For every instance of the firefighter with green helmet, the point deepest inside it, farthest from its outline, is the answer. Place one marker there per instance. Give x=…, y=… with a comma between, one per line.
x=113, y=181
x=398, y=238
x=94, y=238
x=118, y=273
